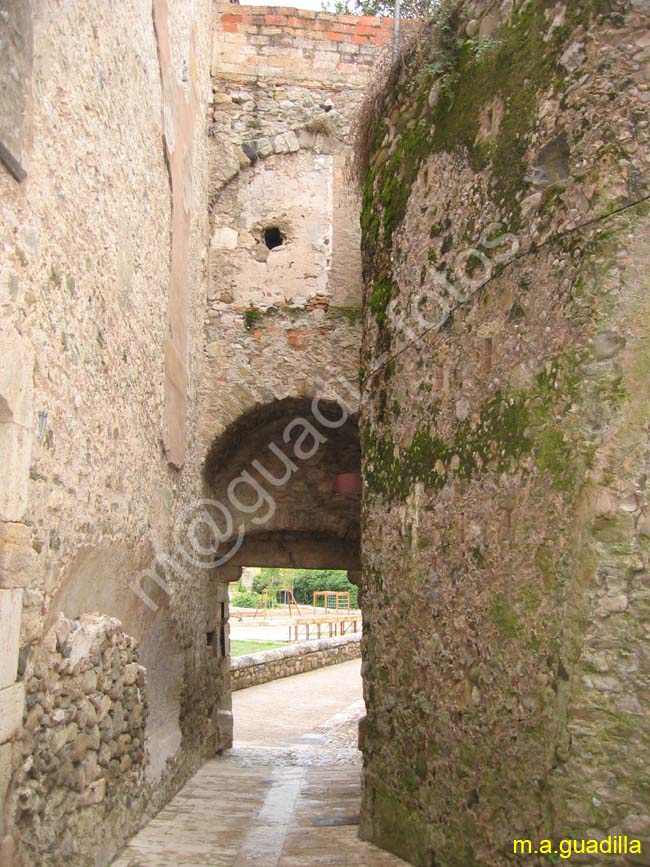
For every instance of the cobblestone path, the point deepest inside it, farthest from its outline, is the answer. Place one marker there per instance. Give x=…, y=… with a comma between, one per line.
x=287, y=795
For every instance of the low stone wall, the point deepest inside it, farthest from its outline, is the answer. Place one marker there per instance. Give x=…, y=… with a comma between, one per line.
x=81, y=769
x=256, y=668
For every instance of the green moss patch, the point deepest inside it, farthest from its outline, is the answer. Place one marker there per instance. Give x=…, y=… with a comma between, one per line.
x=517, y=65
x=510, y=426
x=251, y=318
x=380, y=297
x=398, y=829
x=504, y=616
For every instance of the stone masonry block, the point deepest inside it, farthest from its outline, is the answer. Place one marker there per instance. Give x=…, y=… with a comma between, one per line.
x=16, y=408
x=224, y=723
x=11, y=603
x=16, y=379
x=221, y=590
x=16, y=451
x=12, y=702
x=7, y=851
x=14, y=554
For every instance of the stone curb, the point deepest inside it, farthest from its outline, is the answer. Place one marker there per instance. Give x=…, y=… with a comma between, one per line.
x=256, y=668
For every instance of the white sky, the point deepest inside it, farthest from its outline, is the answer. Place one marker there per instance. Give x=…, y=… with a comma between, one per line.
x=298, y=4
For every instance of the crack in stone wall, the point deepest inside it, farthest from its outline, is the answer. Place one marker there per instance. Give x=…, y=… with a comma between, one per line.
x=109, y=394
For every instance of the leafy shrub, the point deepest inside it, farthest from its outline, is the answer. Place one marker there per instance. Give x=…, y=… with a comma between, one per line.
x=245, y=599
x=309, y=580
x=304, y=583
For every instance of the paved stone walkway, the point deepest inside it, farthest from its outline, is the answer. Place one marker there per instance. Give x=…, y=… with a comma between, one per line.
x=287, y=795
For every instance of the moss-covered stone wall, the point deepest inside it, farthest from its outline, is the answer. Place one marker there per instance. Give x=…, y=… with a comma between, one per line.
x=505, y=416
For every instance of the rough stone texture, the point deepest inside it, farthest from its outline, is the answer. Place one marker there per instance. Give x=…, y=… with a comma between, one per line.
x=11, y=602
x=288, y=513
x=14, y=554
x=182, y=102
x=252, y=42
x=11, y=711
x=283, y=322
x=256, y=668
x=16, y=396
x=5, y=776
x=504, y=433
x=80, y=765
x=87, y=498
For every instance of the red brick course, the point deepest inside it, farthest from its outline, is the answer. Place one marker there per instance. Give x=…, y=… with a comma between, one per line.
x=297, y=44
x=304, y=20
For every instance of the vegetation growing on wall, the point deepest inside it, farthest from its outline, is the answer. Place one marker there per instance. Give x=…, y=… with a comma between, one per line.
x=448, y=79
x=493, y=488
x=251, y=317
x=511, y=425
x=255, y=316
x=380, y=297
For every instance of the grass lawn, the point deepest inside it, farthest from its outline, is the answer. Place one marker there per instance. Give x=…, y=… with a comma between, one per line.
x=239, y=648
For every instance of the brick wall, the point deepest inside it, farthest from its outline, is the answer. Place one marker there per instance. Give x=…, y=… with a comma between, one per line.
x=296, y=44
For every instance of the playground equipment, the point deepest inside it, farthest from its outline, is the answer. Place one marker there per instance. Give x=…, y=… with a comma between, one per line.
x=334, y=596
x=287, y=598
x=263, y=603
x=342, y=624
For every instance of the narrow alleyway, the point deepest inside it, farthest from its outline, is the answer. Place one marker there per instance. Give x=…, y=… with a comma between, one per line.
x=287, y=795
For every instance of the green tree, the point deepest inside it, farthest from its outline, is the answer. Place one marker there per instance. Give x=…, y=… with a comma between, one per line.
x=245, y=599
x=273, y=580
x=308, y=580
x=303, y=582
x=384, y=8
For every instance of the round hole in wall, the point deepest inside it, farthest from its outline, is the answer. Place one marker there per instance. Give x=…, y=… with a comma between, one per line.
x=273, y=237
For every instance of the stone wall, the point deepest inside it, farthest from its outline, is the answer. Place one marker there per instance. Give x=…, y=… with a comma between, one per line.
x=83, y=753
x=284, y=295
x=255, y=668
x=283, y=322
x=15, y=79
x=504, y=434
x=251, y=43
x=147, y=188
x=102, y=291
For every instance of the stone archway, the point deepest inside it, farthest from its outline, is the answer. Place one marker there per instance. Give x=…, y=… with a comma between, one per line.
x=274, y=476
x=278, y=470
